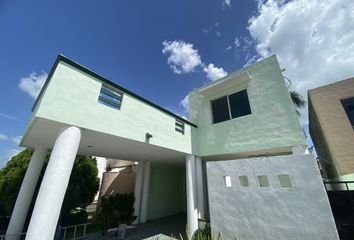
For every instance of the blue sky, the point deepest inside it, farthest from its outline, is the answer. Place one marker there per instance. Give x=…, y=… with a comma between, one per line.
x=161, y=50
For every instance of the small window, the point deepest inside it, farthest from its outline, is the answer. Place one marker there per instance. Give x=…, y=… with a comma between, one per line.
x=110, y=98
x=285, y=181
x=231, y=106
x=348, y=105
x=179, y=126
x=227, y=181
x=263, y=181
x=243, y=181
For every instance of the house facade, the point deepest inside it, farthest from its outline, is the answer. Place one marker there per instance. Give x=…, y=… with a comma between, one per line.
x=331, y=123
x=245, y=116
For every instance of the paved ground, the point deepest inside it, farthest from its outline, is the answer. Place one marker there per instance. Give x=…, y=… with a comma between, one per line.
x=160, y=229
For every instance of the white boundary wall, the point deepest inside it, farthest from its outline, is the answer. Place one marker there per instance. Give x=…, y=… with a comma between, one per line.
x=299, y=212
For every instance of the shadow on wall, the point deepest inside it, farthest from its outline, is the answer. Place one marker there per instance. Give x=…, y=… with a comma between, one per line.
x=118, y=182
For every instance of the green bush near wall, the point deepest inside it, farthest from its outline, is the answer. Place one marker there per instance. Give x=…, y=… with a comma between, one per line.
x=116, y=209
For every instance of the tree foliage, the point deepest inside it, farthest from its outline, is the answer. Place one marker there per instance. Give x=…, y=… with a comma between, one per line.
x=82, y=187
x=298, y=101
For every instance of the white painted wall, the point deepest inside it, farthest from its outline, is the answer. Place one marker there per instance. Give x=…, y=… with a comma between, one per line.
x=268, y=213
x=71, y=97
x=101, y=166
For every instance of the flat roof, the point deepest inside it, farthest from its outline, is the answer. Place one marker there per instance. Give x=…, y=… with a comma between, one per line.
x=108, y=82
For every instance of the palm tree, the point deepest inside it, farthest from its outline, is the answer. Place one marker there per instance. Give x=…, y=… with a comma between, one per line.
x=298, y=101
x=297, y=98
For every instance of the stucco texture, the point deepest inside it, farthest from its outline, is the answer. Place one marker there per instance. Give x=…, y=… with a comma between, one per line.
x=330, y=128
x=167, y=191
x=274, y=212
x=71, y=97
x=273, y=122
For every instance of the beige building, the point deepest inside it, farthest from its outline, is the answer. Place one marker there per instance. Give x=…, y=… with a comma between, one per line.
x=331, y=122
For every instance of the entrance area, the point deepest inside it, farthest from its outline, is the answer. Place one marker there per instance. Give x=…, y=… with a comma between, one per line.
x=167, y=191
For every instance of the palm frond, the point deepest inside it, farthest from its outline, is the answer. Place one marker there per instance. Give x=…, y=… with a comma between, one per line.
x=297, y=99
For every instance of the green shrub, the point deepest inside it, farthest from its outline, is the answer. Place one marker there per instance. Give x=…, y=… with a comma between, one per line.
x=115, y=210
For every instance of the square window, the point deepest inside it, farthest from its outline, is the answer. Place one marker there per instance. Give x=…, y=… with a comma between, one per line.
x=231, y=106
x=227, y=181
x=110, y=98
x=285, y=181
x=263, y=181
x=243, y=181
x=220, y=110
x=239, y=104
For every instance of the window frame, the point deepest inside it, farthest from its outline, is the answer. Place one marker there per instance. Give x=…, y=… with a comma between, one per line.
x=179, y=126
x=228, y=105
x=342, y=101
x=110, y=92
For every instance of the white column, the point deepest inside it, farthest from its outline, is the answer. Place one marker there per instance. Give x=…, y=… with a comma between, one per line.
x=199, y=183
x=192, y=213
x=25, y=195
x=145, y=194
x=138, y=190
x=55, y=181
x=101, y=167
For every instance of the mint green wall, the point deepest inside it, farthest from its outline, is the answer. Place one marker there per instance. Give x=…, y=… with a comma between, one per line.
x=167, y=191
x=71, y=97
x=272, y=124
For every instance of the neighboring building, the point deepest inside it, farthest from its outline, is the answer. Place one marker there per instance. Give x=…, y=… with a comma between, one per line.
x=119, y=178
x=331, y=122
x=246, y=118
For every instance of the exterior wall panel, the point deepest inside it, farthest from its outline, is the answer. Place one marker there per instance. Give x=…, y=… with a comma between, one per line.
x=71, y=97
x=272, y=124
x=167, y=191
x=330, y=127
x=299, y=212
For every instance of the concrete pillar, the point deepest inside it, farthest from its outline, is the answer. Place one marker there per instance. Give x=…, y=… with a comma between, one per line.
x=138, y=190
x=199, y=186
x=145, y=193
x=25, y=195
x=55, y=181
x=192, y=212
x=101, y=167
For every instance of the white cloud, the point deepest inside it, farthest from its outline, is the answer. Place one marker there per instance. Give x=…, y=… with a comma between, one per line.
x=185, y=103
x=12, y=152
x=313, y=40
x=213, y=28
x=183, y=58
x=214, y=73
x=226, y=3
x=16, y=140
x=33, y=83
x=237, y=42
x=3, y=137
x=4, y=115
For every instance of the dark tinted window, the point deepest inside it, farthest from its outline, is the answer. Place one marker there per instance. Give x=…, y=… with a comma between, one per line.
x=220, y=110
x=239, y=104
x=348, y=105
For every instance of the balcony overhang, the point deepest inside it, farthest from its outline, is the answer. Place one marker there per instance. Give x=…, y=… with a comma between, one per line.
x=239, y=79
x=43, y=132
